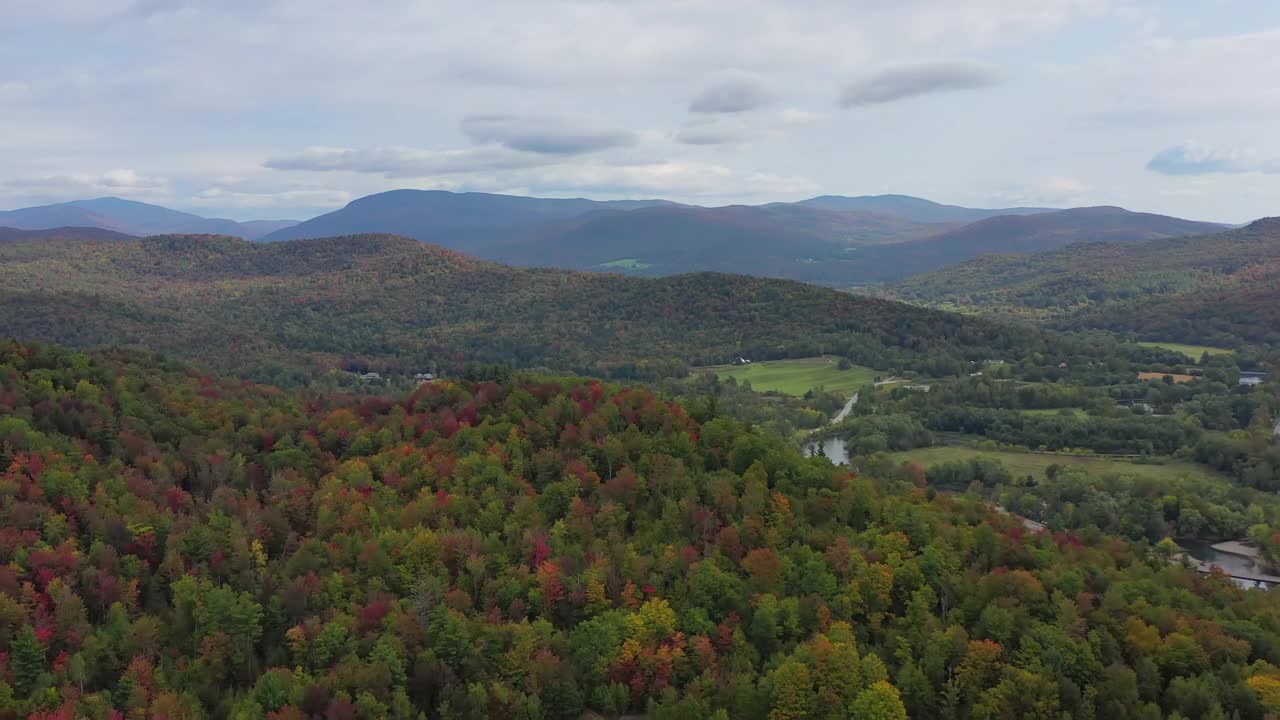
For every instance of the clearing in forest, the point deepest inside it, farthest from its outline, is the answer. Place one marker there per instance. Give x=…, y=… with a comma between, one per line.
x=796, y=377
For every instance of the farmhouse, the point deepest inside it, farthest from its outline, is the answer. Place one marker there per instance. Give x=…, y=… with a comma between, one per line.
x=1252, y=378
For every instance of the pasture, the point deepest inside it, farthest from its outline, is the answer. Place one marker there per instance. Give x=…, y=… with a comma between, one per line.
x=1021, y=464
x=796, y=377
x=1192, y=351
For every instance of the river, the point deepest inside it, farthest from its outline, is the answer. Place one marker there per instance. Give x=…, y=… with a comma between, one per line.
x=1230, y=562
x=833, y=447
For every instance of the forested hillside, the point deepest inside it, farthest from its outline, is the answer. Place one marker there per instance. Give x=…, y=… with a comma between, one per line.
x=1022, y=235
x=182, y=546
x=395, y=303
x=1214, y=289
x=791, y=241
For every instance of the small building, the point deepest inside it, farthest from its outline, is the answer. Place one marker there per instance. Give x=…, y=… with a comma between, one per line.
x=424, y=377
x=1252, y=378
x=370, y=376
x=741, y=361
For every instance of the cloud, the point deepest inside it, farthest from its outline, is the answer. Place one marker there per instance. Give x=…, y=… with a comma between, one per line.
x=672, y=178
x=312, y=198
x=907, y=81
x=543, y=135
x=400, y=162
x=732, y=96
x=1195, y=159
x=703, y=132
x=122, y=182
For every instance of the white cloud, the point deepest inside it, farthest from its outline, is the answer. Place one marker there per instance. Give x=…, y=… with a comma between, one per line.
x=399, y=162
x=1195, y=159
x=122, y=182
x=221, y=197
x=908, y=81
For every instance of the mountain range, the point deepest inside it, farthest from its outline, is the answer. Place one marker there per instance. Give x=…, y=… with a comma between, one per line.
x=131, y=218
x=828, y=240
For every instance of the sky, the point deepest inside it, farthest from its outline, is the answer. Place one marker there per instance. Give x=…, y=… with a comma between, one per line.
x=289, y=108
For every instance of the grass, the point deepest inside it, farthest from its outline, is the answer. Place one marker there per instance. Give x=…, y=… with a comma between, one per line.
x=1192, y=351
x=626, y=264
x=1024, y=463
x=796, y=377
x=1078, y=412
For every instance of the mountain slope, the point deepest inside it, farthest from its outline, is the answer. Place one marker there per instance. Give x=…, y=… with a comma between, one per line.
x=255, y=307
x=462, y=221
x=1220, y=288
x=63, y=233
x=1022, y=234
x=913, y=208
x=786, y=241
x=132, y=218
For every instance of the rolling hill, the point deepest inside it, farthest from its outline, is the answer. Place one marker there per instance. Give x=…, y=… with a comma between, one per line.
x=1021, y=234
x=63, y=233
x=266, y=308
x=1222, y=288
x=131, y=218
x=913, y=208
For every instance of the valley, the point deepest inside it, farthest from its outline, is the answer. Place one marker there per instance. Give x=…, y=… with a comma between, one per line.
x=599, y=360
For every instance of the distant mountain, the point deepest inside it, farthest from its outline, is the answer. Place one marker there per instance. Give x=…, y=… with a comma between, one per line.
x=780, y=240
x=265, y=308
x=1021, y=234
x=1222, y=288
x=63, y=233
x=462, y=221
x=132, y=218
x=830, y=241
x=913, y=208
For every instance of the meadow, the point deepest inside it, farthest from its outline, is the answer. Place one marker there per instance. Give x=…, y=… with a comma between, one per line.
x=1021, y=464
x=796, y=377
x=1192, y=351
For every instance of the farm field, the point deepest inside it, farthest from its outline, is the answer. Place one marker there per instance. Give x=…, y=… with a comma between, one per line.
x=796, y=377
x=1192, y=351
x=1025, y=463
x=1078, y=412
x=1161, y=376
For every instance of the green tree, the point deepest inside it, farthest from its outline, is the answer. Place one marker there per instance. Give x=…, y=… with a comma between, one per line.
x=881, y=701
x=28, y=660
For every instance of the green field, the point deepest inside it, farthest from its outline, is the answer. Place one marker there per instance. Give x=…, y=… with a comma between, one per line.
x=796, y=377
x=626, y=264
x=1023, y=463
x=1078, y=412
x=1192, y=351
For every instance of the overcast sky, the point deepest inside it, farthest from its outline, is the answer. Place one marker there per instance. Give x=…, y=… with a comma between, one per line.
x=288, y=108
